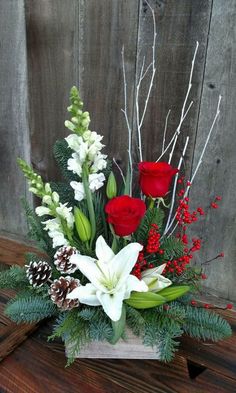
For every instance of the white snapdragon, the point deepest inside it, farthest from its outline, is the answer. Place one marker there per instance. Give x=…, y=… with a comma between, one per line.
x=74, y=164
x=86, y=148
x=42, y=211
x=55, y=232
x=65, y=212
x=99, y=163
x=95, y=180
x=79, y=190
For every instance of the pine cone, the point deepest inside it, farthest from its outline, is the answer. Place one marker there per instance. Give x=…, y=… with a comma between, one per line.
x=62, y=259
x=38, y=273
x=60, y=288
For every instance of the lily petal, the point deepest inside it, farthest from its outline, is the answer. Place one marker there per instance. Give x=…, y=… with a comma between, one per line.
x=86, y=295
x=89, y=269
x=112, y=303
x=154, y=271
x=103, y=251
x=124, y=261
x=134, y=284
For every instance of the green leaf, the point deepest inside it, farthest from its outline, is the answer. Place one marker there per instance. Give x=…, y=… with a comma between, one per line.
x=118, y=327
x=173, y=292
x=143, y=300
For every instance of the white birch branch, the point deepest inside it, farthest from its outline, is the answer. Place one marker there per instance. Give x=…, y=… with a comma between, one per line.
x=128, y=124
x=175, y=185
x=198, y=163
x=165, y=129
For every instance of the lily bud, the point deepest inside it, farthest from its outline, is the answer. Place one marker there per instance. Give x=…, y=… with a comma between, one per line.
x=82, y=225
x=154, y=280
x=111, y=189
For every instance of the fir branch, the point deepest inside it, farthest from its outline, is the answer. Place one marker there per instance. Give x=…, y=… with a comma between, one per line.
x=30, y=309
x=14, y=278
x=62, y=153
x=65, y=193
x=205, y=325
x=135, y=321
x=173, y=247
x=36, y=231
x=152, y=216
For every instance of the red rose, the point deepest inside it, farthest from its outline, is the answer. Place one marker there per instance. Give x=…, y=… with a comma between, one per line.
x=125, y=214
x=155, y=178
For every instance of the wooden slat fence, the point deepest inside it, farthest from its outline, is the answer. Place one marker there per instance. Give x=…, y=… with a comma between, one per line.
x=47, y=46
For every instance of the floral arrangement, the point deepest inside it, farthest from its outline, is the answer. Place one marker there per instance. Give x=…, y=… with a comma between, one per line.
x=113, y=261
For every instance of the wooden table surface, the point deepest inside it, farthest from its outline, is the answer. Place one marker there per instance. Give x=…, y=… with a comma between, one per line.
x=39, y=366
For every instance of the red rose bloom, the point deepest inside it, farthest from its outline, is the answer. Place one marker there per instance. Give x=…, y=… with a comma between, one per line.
x=125, y=214
x=155, y=178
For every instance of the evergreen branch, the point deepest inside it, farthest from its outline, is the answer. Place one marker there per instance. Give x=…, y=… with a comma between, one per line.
x=152, y=216
x=13, y=278
x=30, y=309
x=62, y=153
x=135, y=321
x=206, y=325
x=173, y=247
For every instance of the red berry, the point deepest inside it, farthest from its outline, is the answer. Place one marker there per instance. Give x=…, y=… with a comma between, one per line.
x=206, y=305
x=221, y=255
x=218, y=198
x=204, y=277
x=193, y=302
x=229, y=306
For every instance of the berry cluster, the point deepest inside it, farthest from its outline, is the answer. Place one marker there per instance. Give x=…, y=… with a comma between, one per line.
x=184, y=216
x=153, y=242
x=177, y=266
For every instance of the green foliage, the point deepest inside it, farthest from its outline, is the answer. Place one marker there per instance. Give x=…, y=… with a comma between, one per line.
x=36, y=231
x=206, y=325
x=174, y=248
x=30, y=309
x=135, y=321
x=152, y=216
x=65, y=192
x=101, y=223
x=14, y=278
x=77, y=329
x=62, y=153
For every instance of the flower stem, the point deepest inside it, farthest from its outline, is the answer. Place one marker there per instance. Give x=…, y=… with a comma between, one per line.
x=151, y=203
x=89, y=200
x=114, y=245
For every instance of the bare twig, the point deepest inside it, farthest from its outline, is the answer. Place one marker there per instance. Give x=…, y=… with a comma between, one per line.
x=185, y=102
x=198, y=163
x=174, y=135
x=175, y=185
x=120, y=170
x=142, y=75
x=128, y=124
x=165, y=129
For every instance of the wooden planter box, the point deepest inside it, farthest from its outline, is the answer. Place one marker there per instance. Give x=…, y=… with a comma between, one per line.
x=132, y=348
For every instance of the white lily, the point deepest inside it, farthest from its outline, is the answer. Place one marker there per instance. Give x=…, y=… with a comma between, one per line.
x=154, y=280
x=109, y=276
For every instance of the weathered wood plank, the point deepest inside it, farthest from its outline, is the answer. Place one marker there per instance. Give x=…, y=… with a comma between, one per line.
x=13, y=114
x=12, y=251
x=218, y=172
x=51, y=29
x=104, y=27
x=179, y=25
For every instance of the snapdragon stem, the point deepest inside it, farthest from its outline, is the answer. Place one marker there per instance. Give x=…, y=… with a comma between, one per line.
x=89, y=200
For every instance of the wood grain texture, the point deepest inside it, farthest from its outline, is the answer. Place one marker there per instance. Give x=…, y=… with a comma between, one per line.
x=50, y=28
x=14, y=132
x=11, y=334
x=131, y=348
x=218, y=172
x=104, y=27
x=140, y=376
x=12, y=251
